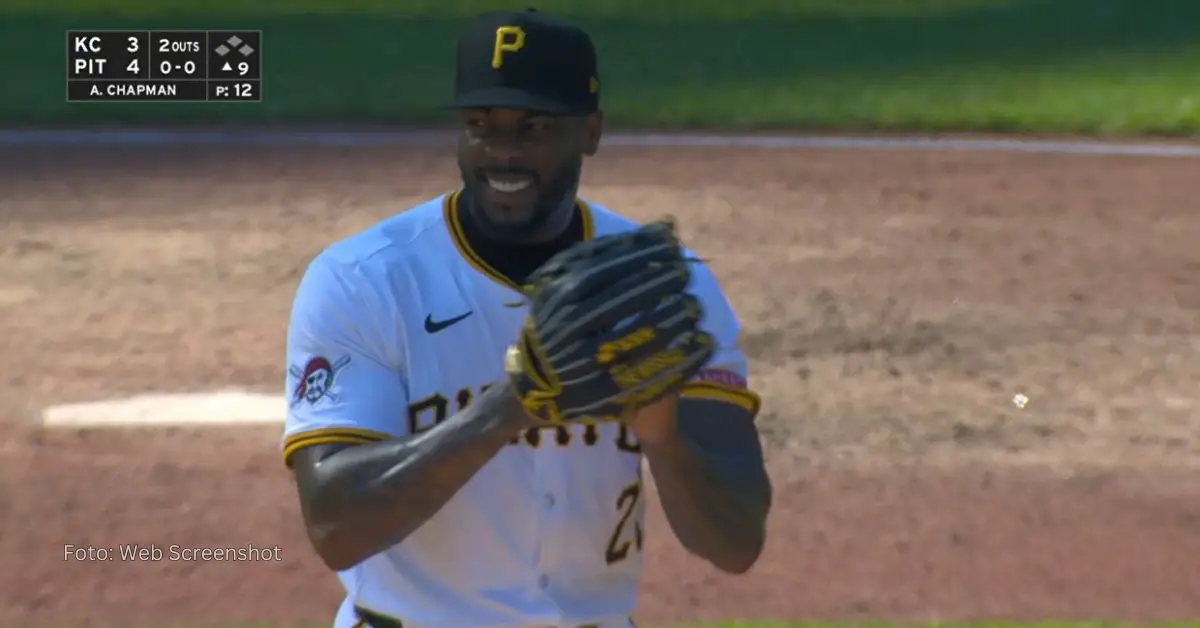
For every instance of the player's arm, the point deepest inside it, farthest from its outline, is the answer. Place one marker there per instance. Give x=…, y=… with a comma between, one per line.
x=706, y=456
x=360, y=500
x=364, y=483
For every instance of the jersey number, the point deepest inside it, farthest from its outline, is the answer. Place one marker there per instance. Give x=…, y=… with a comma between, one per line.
x=619, y=544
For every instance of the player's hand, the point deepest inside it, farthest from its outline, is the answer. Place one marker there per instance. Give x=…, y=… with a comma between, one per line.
x=611, y=329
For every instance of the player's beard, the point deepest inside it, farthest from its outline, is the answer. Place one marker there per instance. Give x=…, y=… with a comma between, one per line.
x=557, y=195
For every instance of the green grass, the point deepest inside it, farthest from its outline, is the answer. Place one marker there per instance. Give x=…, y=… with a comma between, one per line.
x=656, y=9
x=1090, y=66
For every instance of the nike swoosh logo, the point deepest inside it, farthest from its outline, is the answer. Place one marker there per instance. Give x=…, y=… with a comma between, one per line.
x=514, y=304
x=433, y=327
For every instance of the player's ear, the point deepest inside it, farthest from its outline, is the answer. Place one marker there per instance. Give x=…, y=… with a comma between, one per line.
x=593, y=127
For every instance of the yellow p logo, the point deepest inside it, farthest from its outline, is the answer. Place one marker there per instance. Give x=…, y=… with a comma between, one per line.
x=508, y=39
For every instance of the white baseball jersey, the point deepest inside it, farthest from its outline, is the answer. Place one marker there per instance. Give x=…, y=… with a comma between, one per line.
x=398, y=327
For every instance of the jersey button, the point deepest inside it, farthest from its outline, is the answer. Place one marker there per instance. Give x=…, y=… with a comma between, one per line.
x=549, y=500
x=543, y=581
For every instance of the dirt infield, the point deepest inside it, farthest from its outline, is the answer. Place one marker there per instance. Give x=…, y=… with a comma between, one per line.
x=893, y=303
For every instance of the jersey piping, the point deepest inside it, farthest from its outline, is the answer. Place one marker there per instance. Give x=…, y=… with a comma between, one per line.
x=327, y=436
x=744, y=398
x=454, y=224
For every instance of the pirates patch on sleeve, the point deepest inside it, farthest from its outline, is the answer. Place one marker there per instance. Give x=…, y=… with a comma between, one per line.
x=315, y=380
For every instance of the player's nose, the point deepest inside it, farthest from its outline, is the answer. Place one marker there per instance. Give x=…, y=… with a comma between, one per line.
x=505, y=152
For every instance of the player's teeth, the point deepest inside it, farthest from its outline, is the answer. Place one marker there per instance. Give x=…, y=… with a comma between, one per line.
x=508, y=186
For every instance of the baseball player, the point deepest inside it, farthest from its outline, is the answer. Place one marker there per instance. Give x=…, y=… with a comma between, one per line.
x=475, y=382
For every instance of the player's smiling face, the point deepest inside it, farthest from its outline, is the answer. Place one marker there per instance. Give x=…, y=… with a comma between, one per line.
x=521, y=167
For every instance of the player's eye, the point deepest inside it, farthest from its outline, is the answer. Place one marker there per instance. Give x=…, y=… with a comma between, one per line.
x=537, y=125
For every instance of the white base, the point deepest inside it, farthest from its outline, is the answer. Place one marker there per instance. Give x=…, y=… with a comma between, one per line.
x=221, y=408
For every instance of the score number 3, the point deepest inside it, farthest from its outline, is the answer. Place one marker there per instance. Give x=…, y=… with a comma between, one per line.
x=619, y=543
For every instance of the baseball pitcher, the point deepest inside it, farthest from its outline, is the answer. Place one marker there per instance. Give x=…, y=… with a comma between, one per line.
x=475, y=382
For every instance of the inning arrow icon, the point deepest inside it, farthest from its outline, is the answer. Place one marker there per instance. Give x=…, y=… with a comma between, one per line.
x=226, y=67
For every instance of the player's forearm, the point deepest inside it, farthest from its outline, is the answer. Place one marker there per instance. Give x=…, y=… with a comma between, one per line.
x=717, y=505
x=370, y=497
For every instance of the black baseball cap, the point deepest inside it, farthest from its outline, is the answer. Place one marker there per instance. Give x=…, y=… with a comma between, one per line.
x=526, y=60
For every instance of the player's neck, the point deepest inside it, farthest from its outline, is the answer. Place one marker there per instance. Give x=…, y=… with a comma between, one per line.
x=556, y=225
x=516, y=260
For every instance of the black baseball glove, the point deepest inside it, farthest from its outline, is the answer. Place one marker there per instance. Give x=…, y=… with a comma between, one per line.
x=611, y=328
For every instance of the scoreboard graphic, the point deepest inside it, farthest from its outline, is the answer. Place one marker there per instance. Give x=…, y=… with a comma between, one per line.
x=164, y=66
